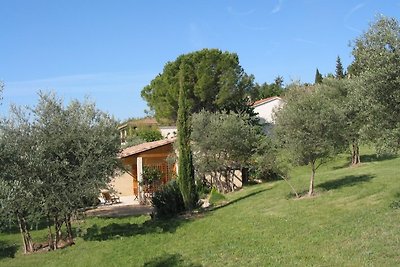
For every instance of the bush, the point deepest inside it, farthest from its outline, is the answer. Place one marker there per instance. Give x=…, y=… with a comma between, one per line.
x=215, y=196
x=168, y=200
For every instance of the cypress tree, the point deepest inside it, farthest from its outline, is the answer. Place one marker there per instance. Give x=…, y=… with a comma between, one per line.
x=339, y=69
x=318, y=77
x=185, y=163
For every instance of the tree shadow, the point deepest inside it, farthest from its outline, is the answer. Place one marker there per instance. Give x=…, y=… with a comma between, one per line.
x=116, y=230
x=365, y=159
x=374, y=157
x=349, y=180
x=7, y=250
x=238, y=199
x=170, y=260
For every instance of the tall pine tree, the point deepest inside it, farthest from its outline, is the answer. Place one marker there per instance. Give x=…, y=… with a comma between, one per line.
x=318, y=77
x=339, y=69
x=185, y=164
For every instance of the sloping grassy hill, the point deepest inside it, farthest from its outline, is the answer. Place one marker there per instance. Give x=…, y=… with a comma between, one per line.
x=350, y=222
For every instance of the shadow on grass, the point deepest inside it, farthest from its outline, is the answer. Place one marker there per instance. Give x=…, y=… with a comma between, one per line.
x=365, y=159
x=396, y=202
x=116, y=230
x=345, y=181
x=334, y=184
x=170, y=260
x=374, y=157
x=239, y=199
x=7, y=250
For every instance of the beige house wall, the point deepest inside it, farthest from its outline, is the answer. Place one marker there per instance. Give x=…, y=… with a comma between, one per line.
x=123, y=184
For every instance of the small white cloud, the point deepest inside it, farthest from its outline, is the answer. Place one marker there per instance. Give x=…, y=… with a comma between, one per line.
x=233, y=12
x=277, y=7
x=349, y=14
x=305, y=41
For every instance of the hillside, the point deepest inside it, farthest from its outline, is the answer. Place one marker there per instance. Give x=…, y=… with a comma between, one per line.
x=352, y=221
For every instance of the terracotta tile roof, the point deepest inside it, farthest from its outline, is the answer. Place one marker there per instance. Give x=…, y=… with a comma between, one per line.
x=129, y=151
x=265, y=100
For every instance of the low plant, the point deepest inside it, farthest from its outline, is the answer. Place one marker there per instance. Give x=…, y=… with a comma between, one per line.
x=168, y=200
x=215, y=196
x=151, y=175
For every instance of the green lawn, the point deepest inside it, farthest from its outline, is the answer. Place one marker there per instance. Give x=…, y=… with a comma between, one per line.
x=350, y=222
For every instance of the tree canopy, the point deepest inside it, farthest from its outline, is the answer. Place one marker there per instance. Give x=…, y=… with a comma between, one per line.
x=309, y=127
x=339, y=72
x=215, y=82
x=318, y=77
x=377, y=67
x=222, y=144
x=54, y=160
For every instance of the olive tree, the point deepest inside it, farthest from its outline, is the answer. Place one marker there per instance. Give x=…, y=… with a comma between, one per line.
x=19, y=180
x=377, y=66
x=78, y=145
x=55, y=159
x=222, y=143
x=310, y=128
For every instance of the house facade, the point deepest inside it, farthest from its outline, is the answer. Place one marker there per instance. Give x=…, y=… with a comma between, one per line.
x=265, y=109
x=135, y=158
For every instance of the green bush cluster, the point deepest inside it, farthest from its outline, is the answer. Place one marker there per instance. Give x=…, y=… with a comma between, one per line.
x=168, y=200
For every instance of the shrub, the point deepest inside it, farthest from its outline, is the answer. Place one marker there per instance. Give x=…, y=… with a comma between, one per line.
x=168, y=200
x=215, y=196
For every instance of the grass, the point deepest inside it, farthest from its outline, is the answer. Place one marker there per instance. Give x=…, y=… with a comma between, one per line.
x=351, y=221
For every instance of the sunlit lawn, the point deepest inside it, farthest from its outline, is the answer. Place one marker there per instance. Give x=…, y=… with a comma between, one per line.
x=350, y=222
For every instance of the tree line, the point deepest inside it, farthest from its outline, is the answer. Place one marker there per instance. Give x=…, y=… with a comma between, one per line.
x=335, y=114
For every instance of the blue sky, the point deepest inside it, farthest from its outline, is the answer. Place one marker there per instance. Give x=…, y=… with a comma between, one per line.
x=109, y=50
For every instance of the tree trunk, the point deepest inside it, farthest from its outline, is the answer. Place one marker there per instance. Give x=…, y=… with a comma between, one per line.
x=311, y=189
x=26, y=237
x=50, y=235
x=57, y=225
x=69, y=229
x=245, y=176
x=355, y=153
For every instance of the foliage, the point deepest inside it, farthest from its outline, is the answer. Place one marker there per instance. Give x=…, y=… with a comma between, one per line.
x=266, y=90
x=138, y=134
x=186, y=179
x=168, y=201
x=54, y=161
x=309, y=128
x=265, y=163
x=1, y=91
x=132, y=140
x=215, y=196
x=19, y=188
x=151, y=174
x=222, y=143
x=342, y=94
x=215, y=82
x=377, y=66
x=318, y=77
x=149, y=134
x=339, y=72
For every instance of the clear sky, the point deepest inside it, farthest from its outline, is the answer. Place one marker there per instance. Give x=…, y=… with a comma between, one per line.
x=109, y=50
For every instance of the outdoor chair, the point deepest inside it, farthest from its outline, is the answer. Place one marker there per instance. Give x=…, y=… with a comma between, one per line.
x=110, y=198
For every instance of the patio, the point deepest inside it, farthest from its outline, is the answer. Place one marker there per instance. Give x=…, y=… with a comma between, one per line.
x=127, y=207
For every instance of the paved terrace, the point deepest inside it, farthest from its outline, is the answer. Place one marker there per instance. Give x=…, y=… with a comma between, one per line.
x=127, y=207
